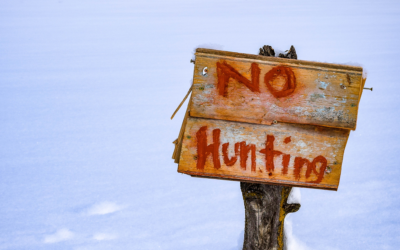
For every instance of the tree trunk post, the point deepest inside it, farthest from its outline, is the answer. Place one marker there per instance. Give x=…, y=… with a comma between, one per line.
x=266, y=205
x=265, y=210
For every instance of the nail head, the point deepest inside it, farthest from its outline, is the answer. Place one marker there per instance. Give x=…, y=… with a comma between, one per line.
x=205, y=71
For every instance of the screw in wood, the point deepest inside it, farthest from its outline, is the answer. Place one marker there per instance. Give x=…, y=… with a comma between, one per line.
x=192, y=61
x=342, y=86
x=368, y=88
x=275, y=122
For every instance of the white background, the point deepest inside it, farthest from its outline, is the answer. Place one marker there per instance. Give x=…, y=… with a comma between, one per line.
x=86, y=92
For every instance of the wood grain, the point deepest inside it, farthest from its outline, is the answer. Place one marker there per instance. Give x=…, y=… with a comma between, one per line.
x=318, y=93
x=303, y=143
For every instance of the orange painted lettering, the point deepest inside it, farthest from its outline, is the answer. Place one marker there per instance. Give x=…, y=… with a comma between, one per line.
x=270, y=153
x=287, y=140
x=285, y=163
x=232, y=161
x=311, y=167
x=298, y=164
x=244, y=151
x=320, y=173
x=203, y=150
x=290, y=81
x=226, y=71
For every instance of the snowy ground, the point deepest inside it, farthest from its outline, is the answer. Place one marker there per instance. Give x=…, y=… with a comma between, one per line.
x=86, y=91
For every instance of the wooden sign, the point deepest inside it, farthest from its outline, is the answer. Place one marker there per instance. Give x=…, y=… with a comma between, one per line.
x=260, y=89
x=268, y=120
x=286, y=154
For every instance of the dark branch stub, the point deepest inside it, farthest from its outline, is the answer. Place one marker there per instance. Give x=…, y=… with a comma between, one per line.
x=291, y=208
x=291, y=54
x=266, y=50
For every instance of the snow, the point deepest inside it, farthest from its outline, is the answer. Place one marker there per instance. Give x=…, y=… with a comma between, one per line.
x=291, y=240
x=104, y=236
x=294, y=196
x=60, y=235
x=87, y=89
x=103, y=208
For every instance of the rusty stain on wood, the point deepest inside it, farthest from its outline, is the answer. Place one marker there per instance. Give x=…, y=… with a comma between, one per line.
x=259, y=89
x=283, y=154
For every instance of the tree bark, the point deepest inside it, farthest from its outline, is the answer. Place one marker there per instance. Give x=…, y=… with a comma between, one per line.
x=265, y=210
x=266, y=205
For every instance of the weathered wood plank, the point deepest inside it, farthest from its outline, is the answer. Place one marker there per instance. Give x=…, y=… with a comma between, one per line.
x=284, y=154
x=259, y=89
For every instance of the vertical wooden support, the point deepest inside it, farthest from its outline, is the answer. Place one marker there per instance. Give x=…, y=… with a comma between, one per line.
x=266, y=205
x=265, y=210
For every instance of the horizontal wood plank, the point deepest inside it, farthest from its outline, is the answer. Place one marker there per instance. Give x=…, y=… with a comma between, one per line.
x=258, y=89
x=284, y=154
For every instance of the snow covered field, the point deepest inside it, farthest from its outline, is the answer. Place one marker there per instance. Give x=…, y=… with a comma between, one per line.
x=86, y=91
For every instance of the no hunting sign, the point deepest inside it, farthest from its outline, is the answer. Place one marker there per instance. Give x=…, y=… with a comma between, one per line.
x=268, y=120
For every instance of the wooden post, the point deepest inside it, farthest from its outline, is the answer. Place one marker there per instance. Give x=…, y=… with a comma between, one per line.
x=266, y=205
x=265, y=210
